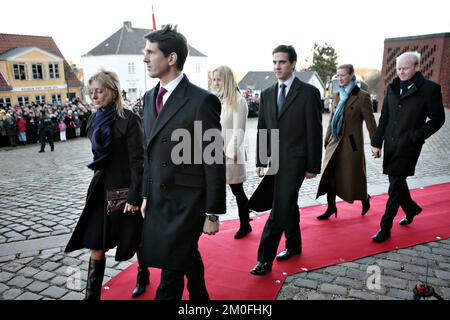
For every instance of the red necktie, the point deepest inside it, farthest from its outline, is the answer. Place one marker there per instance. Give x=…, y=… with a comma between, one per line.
x=159, y=99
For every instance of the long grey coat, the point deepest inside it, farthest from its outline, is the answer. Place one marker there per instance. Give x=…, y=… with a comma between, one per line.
x=348, y=150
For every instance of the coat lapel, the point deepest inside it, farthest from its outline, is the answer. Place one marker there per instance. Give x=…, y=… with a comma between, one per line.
x=292, y=95
x=150, y=113
x=350, y=101
x=412, y=90
x=175, y=102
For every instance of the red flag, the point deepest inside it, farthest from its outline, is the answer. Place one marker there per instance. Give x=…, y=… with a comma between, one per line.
x=154, y=21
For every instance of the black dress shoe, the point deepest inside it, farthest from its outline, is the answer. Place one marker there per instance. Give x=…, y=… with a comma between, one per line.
x=243, y=231
x=381, y=236
x=408, y=219
x=286, y=254
x=143, y=279
x=261, y=269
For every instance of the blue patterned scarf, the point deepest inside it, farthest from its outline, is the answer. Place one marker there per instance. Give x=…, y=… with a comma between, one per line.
x=338, y=118
x=102, y=136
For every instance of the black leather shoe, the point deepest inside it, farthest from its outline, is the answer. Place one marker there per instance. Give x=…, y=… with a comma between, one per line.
x=381, y=236
x=408, y=219
x=261, y=269
x=40, y=151
x=143, y=279
x=243, y=231
x=286, y=254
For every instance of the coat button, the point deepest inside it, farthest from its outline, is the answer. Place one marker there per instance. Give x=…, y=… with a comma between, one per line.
x=399, y=105
x=164, y=140
x=151, y=181
x=163, y=187
x=164, y=164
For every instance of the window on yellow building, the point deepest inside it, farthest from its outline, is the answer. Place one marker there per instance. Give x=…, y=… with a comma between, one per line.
x=40, y=98
x=5, y=102
x=56, y=98
x=38, y=71
x=23, y=100
x=53, y=70
x=19, y=71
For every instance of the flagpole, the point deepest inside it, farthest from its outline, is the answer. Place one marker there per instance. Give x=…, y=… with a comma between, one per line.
x=153, y=20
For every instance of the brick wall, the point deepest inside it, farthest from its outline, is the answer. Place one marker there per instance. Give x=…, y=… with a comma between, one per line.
x=444, y=79
x=434, y=64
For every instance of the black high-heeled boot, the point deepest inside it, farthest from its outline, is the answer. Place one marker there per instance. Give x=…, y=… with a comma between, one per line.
x=95, y=275
x=328, y=213
x=143, y=279
x=244, y=229
x=365, y=205
x=244, y=217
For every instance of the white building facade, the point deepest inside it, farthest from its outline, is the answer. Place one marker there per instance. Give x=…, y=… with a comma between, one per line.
x=123, y=53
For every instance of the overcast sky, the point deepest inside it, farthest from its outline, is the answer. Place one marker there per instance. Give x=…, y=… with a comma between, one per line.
x=237, y=33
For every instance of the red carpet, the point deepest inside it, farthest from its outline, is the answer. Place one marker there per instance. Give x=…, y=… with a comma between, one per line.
x=228, y=261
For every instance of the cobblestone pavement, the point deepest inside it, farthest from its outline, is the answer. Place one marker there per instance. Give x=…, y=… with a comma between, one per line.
x=42, y=195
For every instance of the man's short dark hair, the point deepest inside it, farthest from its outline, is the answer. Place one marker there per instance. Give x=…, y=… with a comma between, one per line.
x=287, y=49
x=170, y=40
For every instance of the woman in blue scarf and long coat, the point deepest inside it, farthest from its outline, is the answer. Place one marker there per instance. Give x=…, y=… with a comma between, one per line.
x=117, y=145
x=344, y=166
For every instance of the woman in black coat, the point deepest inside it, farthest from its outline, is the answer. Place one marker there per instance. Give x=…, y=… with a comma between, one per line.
x=117, y=144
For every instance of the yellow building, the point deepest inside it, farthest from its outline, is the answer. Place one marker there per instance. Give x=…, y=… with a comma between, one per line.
x=34, y=71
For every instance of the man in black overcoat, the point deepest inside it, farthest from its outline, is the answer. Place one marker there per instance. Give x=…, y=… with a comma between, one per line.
x=412, y=111
x=184, y=192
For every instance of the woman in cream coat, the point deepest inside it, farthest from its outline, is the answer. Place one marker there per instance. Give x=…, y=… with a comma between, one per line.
x=233, y=119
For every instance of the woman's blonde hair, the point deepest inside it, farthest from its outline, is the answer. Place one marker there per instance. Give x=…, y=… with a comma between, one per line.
x=349, y=68
x=229, y=91
x=110, y=80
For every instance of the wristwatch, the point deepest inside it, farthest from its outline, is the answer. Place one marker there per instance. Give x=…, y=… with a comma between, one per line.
x=213, y=217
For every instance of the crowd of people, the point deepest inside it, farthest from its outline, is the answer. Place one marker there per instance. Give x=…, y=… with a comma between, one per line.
x=33, y=123
x=41, y=123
